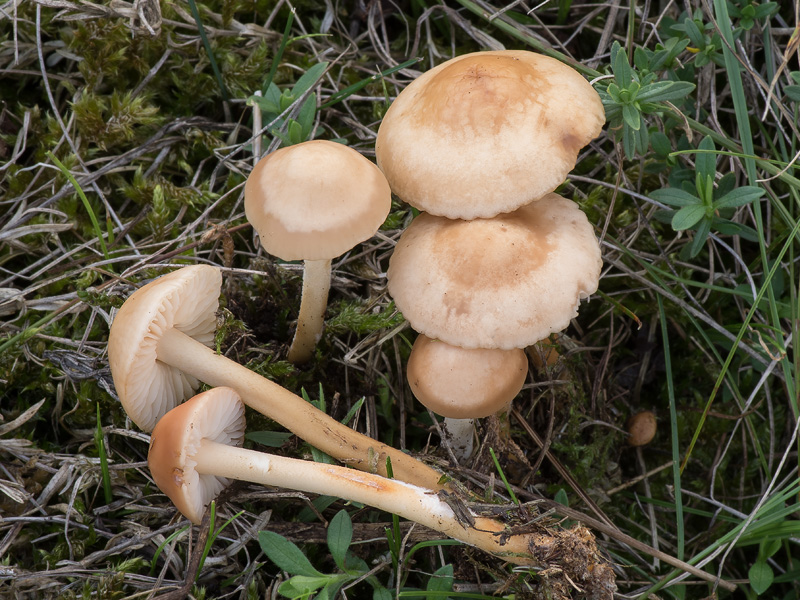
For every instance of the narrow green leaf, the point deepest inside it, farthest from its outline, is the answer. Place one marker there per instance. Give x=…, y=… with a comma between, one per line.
x=286, y=555
x=706, y=161
x=306, y=116
x=665, y=90
x=302, y=585
x=632, y=116
x=739, y=197
x=675, y=197
x=340, y=535
x=700, y=237
x=309, y=79
x=688, y=217
x=792, y=92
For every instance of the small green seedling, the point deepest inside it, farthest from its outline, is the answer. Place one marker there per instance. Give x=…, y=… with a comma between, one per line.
x=707, y=207
x=632, y=94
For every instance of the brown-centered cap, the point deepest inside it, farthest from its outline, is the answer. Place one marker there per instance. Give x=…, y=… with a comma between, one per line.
x=186, y=299
x=505, y=282
x=216, y=415
x=315, y=200
x=486, y=133
x=464, y=384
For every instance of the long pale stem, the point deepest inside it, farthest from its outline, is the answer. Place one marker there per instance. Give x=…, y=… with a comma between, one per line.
x=398, y=497
x=313, y=302
x=298, y=416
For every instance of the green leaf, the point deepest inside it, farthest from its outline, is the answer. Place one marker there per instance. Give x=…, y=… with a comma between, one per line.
x=761, y=577
x=706, y=161
x=623, y=74
x=306, y=116
x=661, y=144
x=561, y=497
x=632, y=116
x=340, y=535
x=286, y=555
x=688, y=217
x=381, y=593
x=301, y=586
x=675, y=197
x=440, y=581
x=769, y=547
x=739, y=197
x=691, y=29
x=700, y=237
x=728, y=227
x=665, y=90
x=308, y=79
x=792, y=92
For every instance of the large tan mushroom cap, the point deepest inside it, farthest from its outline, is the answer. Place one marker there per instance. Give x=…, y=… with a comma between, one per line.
x=216, y=415
x=315, y=200
x=464, y=384
x=506, y=282
x=186, y=299
x=486, y=133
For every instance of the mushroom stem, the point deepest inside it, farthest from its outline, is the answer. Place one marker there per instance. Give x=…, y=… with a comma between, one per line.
x=403, y=499
x=314, y=300
x=298, y=416
x=460, y=433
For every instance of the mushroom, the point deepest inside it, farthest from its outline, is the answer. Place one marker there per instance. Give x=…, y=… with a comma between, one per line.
x=505, y=282
x=313, y=202
x=642, y=428
x=464, y=384
x=194, y=452
x=486, y=133
x=158, y=350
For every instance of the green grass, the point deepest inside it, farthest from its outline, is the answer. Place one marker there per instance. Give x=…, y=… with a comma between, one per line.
x=124, y=153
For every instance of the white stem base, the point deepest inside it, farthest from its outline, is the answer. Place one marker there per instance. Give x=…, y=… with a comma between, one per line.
x=460, y=433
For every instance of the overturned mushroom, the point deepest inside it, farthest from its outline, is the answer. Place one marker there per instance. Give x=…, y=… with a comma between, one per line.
x=194, y=451
x=158, y=350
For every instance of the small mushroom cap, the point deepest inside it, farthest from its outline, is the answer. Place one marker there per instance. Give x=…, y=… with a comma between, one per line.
x=464, y=384
x=505, y=282
x=315, y=200
x=486, y=133
x=216, y=415
x=642, y=428
x=186, y=299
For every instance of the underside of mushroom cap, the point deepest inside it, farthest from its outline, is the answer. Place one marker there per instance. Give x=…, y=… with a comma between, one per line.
x=216, y=415
x=315, y=200
x=186, y=299
x=505, y=282
x=486, y=132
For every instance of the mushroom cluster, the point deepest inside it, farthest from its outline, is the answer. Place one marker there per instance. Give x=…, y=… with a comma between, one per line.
x=496, y=261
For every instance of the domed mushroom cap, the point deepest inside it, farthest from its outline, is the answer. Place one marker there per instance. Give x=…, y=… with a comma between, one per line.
x=486, y=133
x=186, y=299
x=216, y=415
x=464, y=384
x=505, y=282
x=315, y=200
